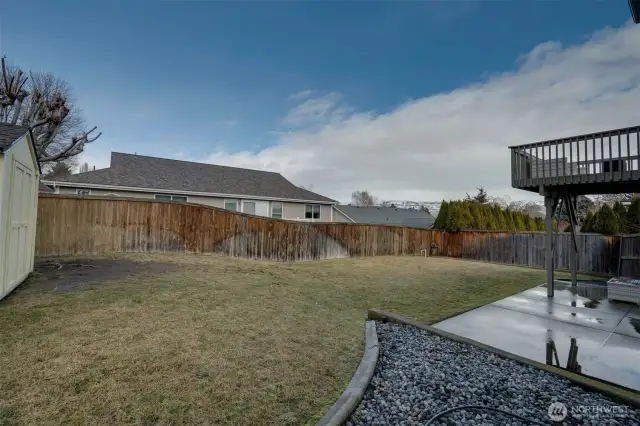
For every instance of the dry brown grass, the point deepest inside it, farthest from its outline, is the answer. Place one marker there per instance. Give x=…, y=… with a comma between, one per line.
x=217, y=340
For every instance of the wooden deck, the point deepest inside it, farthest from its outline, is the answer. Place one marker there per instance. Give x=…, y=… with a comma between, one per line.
x=596, y=163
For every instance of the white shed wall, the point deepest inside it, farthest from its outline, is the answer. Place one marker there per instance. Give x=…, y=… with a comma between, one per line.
x=18, y=209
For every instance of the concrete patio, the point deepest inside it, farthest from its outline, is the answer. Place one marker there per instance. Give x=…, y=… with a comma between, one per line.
x=607, y=333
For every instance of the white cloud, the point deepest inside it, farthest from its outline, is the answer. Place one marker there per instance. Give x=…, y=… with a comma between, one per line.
x=303, y=94
x=319, y=110
x=446, y=144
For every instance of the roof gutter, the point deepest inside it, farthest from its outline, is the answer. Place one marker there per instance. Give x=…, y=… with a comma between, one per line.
x=173, y=191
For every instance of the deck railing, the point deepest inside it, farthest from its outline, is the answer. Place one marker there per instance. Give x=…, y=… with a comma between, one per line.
x=608, y=156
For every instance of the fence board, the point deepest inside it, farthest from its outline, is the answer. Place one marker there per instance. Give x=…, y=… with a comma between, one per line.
x=69, y=225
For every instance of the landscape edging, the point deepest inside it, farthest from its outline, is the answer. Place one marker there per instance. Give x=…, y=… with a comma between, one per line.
x=340, y=411
x=622, y=395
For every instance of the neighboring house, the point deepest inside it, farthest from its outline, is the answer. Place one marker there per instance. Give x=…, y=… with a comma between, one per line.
x=377, y=215
x=249, y=191
x=19, y=178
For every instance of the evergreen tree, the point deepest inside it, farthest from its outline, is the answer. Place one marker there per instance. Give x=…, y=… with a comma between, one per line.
x=467, y=218
x=441, y=220
x=621, y=212
x=480, y=215
x=531, y=224
x=568, y=228
x=633, y=217
x=481, y=197
x=501, y=223
x=588, y=224
x=455, y=217
x=540, y=224
x=519, y=222
x=607, y=221
x=508, y=217
x=474, y=215
x=450, y=218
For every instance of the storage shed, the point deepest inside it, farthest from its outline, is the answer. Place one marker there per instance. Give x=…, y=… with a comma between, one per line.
x=19, y=181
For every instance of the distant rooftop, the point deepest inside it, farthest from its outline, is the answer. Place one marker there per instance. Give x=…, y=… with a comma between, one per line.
x=140, y=171
x=378, y=215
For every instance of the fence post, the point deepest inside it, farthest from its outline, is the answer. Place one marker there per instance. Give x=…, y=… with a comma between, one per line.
x=619, y=271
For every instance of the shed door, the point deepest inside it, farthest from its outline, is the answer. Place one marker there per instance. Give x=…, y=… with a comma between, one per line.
x=20, y=199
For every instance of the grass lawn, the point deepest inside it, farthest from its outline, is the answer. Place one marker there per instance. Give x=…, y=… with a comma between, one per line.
x=214, y=340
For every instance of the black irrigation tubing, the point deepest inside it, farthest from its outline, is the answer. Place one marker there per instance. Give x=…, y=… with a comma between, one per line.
x=481, y=407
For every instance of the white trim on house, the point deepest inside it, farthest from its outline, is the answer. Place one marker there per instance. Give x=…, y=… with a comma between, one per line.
x=57, y=185
x=342, y=213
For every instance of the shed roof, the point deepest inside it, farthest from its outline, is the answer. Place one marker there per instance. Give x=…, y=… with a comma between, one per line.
x=9, y=133
x=378, y=215
x=140, y=171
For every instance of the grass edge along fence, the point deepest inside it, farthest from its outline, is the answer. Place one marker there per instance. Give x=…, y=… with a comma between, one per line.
x=72, y=225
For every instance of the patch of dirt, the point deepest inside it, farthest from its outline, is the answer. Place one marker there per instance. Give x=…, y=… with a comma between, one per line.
x=71, y=275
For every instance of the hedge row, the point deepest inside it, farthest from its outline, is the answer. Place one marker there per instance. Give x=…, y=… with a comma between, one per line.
x=457, y=215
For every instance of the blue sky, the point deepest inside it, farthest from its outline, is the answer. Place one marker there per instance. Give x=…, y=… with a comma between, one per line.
x=217, y=81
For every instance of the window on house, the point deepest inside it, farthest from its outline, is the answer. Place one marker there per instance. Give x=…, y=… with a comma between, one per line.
x=276, y=209
x=312, y=211
x=83, y=192
x=170, y=197
x=231, y=205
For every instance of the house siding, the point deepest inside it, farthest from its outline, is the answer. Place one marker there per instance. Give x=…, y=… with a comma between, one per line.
x=290, y=210
x=338, y=216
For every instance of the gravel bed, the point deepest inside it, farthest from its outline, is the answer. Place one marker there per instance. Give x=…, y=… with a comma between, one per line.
x=420, y=374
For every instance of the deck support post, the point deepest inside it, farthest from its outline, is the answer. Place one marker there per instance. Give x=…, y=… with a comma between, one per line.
x=550, y=203
x=572, y=205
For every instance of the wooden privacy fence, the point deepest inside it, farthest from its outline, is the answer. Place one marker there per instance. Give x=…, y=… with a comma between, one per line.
x=69, y=225
x=630, y=256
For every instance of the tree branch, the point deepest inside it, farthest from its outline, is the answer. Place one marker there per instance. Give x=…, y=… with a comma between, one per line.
x=75, y=148
x=4, y=74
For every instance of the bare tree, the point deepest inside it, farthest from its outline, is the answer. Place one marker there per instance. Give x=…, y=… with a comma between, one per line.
x=363, y=198
x=307, y=187
x=529, y=207
x=611, y=199
x=84, y=168
x=42, y=102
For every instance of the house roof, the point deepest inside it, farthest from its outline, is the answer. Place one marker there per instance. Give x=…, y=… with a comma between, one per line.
x=377, y=215
x=139, y=171
x=9, y=133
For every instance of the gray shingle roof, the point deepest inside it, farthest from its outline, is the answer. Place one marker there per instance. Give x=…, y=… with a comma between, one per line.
x=9, y=133
x=388, y=216
x=139, y=171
